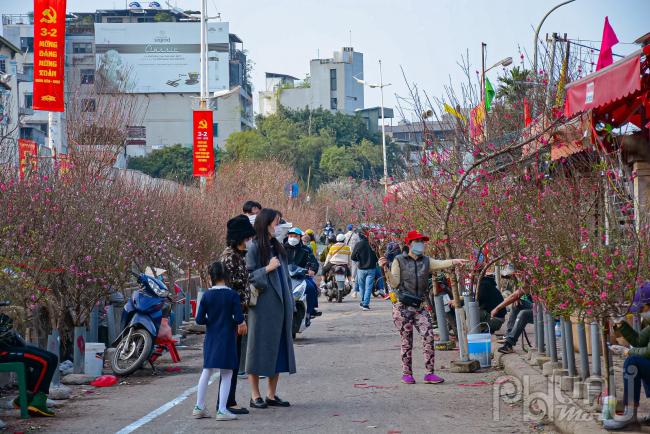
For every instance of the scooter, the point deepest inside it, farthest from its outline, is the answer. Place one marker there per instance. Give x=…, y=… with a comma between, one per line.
x=301, y=319
x=141, y=320
x=336, y=286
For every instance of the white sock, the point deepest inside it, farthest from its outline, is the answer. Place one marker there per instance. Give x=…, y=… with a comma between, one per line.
x=203, y=388
x=224, y=388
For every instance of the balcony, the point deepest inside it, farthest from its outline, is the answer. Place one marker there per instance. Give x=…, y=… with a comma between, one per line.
x=16, y=19
x=22, y=77
x=25, y=111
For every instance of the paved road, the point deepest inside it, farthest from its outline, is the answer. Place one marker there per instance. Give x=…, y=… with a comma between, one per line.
x=348, y=381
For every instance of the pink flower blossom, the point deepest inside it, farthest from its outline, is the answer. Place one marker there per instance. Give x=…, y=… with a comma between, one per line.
x=610, y=275
x=579, y=266
x=603, y=296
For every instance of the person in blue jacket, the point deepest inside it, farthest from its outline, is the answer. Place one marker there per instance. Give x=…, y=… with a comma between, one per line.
x=220, y=311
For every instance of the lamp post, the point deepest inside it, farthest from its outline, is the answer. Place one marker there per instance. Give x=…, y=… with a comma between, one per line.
x=503, y=62
x=381, y=87
x=539, y=27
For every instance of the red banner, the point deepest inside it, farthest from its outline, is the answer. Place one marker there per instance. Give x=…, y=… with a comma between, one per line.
x=65, y=164
x=49, y=56
x=27, y=157
x=203, y=143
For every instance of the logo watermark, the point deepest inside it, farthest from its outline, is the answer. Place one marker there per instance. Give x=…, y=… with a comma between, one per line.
x=542, y=399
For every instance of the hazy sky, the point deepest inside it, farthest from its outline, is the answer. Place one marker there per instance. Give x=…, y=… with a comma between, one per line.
x=427, y=38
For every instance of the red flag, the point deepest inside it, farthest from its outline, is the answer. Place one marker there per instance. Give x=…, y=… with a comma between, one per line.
x=527, y=118
x=49, y=56
x=27, y=157
x=203, y=144
x=609, y=40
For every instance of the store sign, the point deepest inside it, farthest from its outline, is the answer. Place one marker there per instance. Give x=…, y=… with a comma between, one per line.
x=49, y=56
x=27, y=157
x=203, y=143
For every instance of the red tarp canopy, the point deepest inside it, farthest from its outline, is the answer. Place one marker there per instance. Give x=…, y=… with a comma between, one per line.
x=610, y=84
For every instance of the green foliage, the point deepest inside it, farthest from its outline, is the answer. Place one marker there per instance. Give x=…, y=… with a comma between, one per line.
x=171, y=162
x=163, y=16
x=513, y=86
x=333, y=145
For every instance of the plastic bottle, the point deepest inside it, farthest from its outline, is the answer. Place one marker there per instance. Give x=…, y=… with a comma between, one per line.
x=558, y=331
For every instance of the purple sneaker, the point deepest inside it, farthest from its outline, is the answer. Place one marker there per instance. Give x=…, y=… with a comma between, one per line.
x=432, y=379
x=408, y=379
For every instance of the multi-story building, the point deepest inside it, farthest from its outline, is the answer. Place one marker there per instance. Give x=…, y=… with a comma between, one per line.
x=159, y=52
x=330, y=85
x=10, y=108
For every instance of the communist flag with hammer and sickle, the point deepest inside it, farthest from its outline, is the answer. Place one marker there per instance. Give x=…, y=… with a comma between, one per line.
x=49, y=54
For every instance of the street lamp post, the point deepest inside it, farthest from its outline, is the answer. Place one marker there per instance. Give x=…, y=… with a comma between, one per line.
x=503, y=62
x=381, y=87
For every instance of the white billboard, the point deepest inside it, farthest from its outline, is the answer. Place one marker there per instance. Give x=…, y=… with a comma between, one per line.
x=160, y=57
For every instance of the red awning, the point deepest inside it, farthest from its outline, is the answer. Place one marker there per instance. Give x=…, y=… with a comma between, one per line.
x=610, y=84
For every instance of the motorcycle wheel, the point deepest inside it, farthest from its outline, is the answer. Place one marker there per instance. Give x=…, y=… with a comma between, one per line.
x=135, y=356
x=339, y=298
x=298, y=316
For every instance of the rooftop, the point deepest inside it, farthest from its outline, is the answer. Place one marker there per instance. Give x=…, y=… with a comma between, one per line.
x=278, y=75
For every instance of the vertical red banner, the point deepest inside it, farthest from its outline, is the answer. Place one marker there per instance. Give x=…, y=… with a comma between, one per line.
x=64, y=164
x=49, y=54
x=27, y=157
x=203, y=143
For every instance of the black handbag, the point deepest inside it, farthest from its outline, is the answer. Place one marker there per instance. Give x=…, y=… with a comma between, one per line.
x=408, y=299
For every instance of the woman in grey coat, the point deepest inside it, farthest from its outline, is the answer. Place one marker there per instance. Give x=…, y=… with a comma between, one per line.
x=270, y=345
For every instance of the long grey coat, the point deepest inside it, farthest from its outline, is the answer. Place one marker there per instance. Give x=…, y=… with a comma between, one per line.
x=265, y=320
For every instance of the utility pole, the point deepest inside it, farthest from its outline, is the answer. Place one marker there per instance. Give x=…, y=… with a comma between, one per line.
x=203, y=101
x=549, y=83
x=383, y=128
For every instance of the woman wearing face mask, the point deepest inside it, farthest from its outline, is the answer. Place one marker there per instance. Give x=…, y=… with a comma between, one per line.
x=410, y=274
x=239, y=237
x=270, y=346
x=636, y=369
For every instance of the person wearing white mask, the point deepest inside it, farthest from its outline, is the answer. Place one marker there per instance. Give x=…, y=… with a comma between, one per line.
x=636, y=369
x=300, y=255
x=251, y=209
x=410, y=274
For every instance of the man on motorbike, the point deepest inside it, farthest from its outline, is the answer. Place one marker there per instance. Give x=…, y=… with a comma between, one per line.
x=338, y=254
x=302, y=256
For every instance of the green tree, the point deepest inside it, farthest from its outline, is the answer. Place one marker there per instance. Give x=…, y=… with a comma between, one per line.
x=172, y=162
x=163, y=16
x=246, y=145
x=513, y=86
x=338, y=161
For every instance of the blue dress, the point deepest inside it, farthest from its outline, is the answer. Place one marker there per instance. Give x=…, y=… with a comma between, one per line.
x=220, y=311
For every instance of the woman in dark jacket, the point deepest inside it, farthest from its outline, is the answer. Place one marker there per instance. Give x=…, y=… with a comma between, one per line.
x=270, y=345
x=239, y=236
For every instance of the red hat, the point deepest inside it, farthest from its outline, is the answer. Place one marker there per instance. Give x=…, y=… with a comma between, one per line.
x=415, y=235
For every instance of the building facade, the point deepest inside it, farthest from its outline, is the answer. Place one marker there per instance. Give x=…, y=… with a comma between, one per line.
x=166, y=105
x=331, y=86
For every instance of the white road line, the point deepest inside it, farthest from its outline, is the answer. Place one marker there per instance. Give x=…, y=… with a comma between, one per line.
x=162, y=409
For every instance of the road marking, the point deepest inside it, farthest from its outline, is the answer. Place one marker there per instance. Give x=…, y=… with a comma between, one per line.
x=163, y=408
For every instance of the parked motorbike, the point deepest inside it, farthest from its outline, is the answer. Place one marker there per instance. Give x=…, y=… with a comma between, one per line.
x=336, y=284
x=301, y=319
x=141, y=322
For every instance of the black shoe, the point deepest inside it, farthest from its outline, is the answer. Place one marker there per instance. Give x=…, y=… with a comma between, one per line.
x=258, y=403
x=240, y=410
x=506, y=349
x=277, y=402
x=316, y=313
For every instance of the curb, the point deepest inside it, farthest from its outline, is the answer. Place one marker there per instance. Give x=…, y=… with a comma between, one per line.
x=538, y=389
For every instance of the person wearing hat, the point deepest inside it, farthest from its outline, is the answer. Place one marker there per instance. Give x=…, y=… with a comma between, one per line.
x=311, y=241
x=410, y=274
x=301, y=256
x=239, y=235
x=636, y=369
x=338, y=254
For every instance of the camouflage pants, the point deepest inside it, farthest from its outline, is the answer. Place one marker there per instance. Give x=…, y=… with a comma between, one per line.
x=405, y=319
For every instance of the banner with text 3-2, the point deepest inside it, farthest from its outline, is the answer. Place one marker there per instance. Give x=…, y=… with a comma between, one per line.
x=49, y=54
x=203, y=143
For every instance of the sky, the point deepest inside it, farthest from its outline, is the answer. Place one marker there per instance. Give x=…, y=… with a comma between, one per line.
x=425, y=38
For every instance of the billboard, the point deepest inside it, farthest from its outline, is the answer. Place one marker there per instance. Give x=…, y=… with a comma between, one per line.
x=160, y=57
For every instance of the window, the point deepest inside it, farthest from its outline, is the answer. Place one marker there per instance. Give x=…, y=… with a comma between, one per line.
x=114, y=20
x=27, y=44
x=28, y=69
x=87, y=76
x=3, y=65
x=146, y=20
x=333, y=103
x=136, y=132
x=88, y=105
x=82, y=47
x=215, y=129
x=332, y=79
x=28, y=100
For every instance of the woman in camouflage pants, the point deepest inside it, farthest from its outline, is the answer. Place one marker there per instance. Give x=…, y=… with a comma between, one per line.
x=406, y=318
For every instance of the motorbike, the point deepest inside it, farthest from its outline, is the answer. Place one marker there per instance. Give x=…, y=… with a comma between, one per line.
x=336, y=284
x=142, y=317
x=301, y=319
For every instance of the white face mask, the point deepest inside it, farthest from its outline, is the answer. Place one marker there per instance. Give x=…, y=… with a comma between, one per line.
x=417, y=247
x=249, y=243
x=294, y=241
x=645, y=315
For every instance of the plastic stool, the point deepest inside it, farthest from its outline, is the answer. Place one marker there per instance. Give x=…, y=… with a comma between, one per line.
x=19, y=369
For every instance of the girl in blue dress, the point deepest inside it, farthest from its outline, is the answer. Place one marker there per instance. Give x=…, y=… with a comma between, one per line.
x=220, y=311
